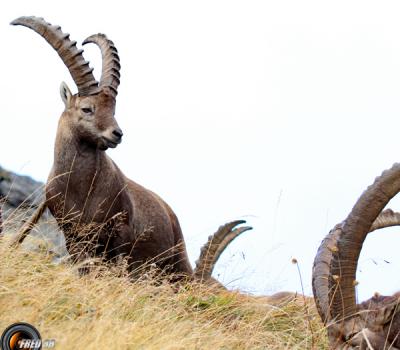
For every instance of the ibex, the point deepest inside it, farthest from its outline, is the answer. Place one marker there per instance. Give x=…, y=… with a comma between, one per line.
x=375, y=323
x=93, y=202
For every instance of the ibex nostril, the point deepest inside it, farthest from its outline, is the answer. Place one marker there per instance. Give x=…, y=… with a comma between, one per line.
x=118, y=133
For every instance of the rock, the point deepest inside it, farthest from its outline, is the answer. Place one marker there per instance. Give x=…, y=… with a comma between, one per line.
x=1, y=221
x=20, y=191
x=19, y=197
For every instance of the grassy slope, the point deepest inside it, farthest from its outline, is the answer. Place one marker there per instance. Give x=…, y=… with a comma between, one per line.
x=103, y=310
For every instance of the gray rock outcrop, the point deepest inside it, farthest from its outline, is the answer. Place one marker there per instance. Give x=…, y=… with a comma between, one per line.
x=19, y=197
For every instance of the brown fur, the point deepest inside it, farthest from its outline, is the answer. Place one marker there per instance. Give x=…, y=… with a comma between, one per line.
x=376, y=326
x=381, y=317
x=94, y=202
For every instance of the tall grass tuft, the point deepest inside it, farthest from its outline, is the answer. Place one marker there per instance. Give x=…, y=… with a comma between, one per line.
x=105, y=309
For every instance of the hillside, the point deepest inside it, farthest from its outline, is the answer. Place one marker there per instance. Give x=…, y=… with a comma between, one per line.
x=106, y=310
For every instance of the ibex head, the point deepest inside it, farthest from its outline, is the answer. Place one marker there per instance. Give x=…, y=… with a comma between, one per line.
x=91, y=118
x=89, y=114
x=374, y=324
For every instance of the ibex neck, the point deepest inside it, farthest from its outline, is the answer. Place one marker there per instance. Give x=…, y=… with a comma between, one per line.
x=83, y=183
x=72, y=154
x=77, y=179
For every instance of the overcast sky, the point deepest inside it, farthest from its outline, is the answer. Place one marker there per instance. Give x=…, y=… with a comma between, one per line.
x=277, y=112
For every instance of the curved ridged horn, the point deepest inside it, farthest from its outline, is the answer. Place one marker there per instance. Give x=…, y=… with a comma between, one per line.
x=110, y=70
x=385, y=219
x=216, y=244
x=67, y=50
x=334, y=270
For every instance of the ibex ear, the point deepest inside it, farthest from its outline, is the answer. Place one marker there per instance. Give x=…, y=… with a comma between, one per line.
x=65, y=93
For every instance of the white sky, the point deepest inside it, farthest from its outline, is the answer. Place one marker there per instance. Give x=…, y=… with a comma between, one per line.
x=278, y=112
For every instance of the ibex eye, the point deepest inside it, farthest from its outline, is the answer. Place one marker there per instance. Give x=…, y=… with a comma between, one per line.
x=87, y=110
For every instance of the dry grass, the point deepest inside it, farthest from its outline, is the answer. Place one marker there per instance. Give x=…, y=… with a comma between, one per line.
x=105, y=310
